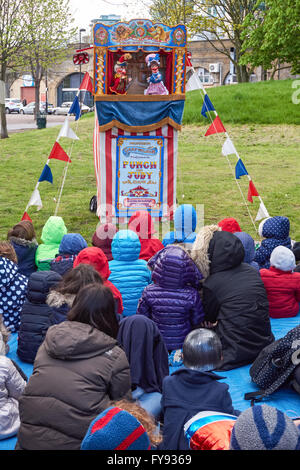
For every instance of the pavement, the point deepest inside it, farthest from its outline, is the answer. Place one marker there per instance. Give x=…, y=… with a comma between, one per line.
x=22, y=122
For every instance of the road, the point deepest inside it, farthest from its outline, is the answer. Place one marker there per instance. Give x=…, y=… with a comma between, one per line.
x=21, y=122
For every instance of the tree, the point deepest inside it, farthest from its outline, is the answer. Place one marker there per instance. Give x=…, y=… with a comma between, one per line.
x=272, y=37
x=12, y=39
x=216, y=21
x=172, y=12
x=49, y=29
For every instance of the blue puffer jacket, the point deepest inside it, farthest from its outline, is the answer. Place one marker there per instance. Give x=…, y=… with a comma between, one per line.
x=13, y=287
x=249, y=248
x=35, y=314
x=128, y=273
x=70, y=245
x=25, y=250
x=276, y=231
x=185, y=221
x=172, y=301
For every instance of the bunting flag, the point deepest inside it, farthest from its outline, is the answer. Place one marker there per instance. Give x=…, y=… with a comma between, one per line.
x=252, y=191
x=216, y=127
x=194, y=83
x=240, y=169
x=86, y=83
x=46, y=174
x=35, y=200
x=228, y=147
x=58, y=153
x=26, y=217
x=75, y=108
x=262, y=212
x=207, y=106
x=66, y=131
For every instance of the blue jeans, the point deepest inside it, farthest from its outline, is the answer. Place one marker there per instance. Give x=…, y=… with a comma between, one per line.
x=149, y=401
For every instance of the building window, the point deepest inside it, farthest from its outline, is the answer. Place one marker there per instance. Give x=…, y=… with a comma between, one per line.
x=205, y=76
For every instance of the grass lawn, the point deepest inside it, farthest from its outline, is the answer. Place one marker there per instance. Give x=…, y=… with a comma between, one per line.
x=270, y=153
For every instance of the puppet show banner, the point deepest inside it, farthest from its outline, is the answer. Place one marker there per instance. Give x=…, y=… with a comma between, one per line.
x=139, y=182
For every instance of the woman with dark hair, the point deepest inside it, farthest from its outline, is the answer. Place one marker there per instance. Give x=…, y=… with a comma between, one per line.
x=23, y=239
x=78, y=372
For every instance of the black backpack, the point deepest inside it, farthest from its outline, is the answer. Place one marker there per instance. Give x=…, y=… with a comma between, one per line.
x=275, y=364
x=93, y=204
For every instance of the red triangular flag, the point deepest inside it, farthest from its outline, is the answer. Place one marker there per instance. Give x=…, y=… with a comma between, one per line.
x=86, y=83
x=58, y=153
x=26, y=217
x=252, y=191
x=216, y=127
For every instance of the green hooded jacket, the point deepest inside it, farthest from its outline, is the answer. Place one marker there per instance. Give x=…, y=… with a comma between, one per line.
x=52, y=233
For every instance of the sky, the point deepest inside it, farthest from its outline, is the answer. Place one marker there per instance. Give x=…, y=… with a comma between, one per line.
x=85, y=10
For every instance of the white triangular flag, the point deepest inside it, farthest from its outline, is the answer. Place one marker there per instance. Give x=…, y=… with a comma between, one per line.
x=228, y=147
x=66, y=131
x=262, y=212
x=35, y=200
x=194, y=83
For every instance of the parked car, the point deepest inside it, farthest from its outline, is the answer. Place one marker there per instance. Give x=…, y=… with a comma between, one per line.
x=13, y=105
x=64, y=108
x=29, y=108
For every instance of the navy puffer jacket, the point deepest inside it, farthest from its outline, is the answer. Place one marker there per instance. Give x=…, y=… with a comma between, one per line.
x=275, y=231
x=172, y=301
x=35, y=314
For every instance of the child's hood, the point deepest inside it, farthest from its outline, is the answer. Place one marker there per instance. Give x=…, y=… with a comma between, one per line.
x=142, y=223
x=126, y=246
x=249, y=246
x=185, y=221
x=53, y=231
x=96, y=258
x=275, y=227
x=72, y=244
x=8, y=271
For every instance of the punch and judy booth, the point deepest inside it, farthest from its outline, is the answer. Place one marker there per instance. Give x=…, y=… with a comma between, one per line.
x=139, y=92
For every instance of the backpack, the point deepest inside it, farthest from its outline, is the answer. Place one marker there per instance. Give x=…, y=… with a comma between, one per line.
x=275, y=364
x=93, y=204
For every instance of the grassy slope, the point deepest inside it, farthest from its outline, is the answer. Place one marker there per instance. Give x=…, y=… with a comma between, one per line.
x=259, y=103
x=270, y=153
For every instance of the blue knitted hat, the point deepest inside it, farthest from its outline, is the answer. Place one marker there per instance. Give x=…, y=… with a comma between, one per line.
x=115, y=429
x=263, y=427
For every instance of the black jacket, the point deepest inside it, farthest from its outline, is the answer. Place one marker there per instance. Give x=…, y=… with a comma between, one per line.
x=234, y=296
x=35, y=314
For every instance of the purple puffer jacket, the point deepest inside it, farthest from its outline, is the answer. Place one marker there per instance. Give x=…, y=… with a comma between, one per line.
x=172, y=301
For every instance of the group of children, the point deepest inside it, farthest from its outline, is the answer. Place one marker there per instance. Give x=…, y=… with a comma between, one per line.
x=102, y=324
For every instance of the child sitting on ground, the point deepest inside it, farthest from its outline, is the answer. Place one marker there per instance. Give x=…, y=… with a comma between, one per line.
x=12, y=385
x=13, y=287
x=282, y=285
x=127, y=272
x=185, y=221
x=95, y=257
x=275, y=231
x=142, y=223
x=103, y=238
x=193, y=388
x=22, y=237
x=70, y=245
x=173, y=301
x=52, y=233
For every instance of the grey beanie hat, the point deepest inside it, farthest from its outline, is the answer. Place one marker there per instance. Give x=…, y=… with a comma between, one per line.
x=263, y=427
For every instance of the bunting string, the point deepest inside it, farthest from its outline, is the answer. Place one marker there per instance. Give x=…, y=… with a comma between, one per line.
x=228, y=148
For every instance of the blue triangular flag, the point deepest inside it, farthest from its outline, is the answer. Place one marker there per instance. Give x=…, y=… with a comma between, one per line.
x=207, y=106
x=75, y=108
x=46, y=174
x=240, y=169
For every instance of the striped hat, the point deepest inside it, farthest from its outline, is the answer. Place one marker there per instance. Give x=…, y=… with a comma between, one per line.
x=115, y=429
x=263, y=427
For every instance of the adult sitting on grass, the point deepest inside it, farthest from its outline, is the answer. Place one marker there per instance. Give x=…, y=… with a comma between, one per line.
x=234, y=297
x=78, y=372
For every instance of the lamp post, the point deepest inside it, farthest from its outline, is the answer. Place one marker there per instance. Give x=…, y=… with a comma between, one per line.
x=82, y=30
